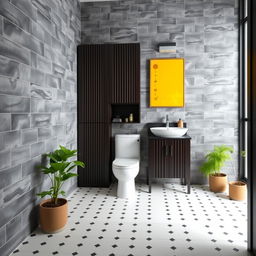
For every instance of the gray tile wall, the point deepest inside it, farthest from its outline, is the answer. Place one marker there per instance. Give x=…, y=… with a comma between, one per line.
x=206, y=35
x=38, y=40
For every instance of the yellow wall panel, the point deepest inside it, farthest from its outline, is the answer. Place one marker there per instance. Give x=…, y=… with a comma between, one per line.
x=167, y=83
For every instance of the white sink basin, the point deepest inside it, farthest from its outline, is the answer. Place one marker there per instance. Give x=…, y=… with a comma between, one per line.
x=168, y=132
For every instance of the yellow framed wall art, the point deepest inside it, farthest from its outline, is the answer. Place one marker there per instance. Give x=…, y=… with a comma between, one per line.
x=167, y=83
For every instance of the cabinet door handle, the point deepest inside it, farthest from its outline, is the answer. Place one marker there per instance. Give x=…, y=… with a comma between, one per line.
x=171, y=150
x=166, y=150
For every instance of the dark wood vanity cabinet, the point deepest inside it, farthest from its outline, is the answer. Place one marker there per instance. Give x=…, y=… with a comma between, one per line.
x=125, y=74
x=169, y=158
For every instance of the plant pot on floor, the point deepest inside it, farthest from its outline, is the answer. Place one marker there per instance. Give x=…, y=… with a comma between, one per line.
x=53, y=218
x=237, y=190
x=218, y=182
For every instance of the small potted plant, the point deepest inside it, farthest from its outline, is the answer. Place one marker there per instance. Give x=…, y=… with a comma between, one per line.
x=53, y=212
x=212, y=166
x=237, y=189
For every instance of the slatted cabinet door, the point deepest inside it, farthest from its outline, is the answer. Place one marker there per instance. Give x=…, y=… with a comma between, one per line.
x=125, y=78
x=169, y=158
x=93, y=84
x=94, y=150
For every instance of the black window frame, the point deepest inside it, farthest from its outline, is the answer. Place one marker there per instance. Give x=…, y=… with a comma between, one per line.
x=243, y=120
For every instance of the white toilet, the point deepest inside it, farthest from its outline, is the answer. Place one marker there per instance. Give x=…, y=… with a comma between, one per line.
x=126, y=164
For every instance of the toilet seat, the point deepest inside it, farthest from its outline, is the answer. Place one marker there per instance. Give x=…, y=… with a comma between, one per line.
x=126, y=162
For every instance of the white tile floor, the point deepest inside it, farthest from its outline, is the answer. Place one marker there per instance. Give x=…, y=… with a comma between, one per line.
x=166, y=222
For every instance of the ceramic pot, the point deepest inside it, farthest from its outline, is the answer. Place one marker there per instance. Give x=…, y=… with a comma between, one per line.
x=218, y=182
x=237, y=190
x=53, y=219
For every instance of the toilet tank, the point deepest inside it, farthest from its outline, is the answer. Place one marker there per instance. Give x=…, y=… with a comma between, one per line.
x=127, y=146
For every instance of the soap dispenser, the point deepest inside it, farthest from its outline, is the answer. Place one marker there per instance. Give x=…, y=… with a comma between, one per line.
x=180, y=123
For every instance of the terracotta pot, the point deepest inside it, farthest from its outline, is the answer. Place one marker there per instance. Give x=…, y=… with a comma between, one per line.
x=53, y=219
x=237, y=190
x=218, y=182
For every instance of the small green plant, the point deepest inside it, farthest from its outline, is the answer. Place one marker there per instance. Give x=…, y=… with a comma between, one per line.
x=216, y=159
x=59, y=170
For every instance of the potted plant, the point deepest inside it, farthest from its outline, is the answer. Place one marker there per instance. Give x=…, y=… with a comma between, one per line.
x=212, y=166
x=53, y=212
x=237, y=189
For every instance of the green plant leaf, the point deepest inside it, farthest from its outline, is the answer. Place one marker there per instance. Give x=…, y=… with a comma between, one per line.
x=62, y=192
x=45, y=193
x=60, y=166
x=68, y=175
x=79, y=163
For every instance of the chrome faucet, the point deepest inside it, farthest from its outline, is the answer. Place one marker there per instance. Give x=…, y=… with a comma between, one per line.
x=167, y=121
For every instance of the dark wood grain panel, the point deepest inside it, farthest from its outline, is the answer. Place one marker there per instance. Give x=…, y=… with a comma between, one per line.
x=94, y=150
x=125, y=72
x=93, y=84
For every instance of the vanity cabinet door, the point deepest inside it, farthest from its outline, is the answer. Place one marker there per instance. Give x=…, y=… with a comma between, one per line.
x=125, y=73
x=158, y=160
x=94, y=151
x=169, y=158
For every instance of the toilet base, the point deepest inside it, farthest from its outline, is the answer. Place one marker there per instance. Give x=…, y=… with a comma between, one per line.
x=126, y=189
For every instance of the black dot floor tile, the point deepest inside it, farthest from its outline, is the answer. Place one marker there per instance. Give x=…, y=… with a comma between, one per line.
x=168, y=218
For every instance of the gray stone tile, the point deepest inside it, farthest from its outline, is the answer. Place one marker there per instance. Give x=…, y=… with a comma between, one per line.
x=5, y=159
x=29, y=136
x=37, y=77
x=129, y=34
x=32, y=166
x=10, y=176
x=13, y=14
x=44, y=21
x=9, y=68
x=39, y=92
x=37, y=149
x=12, y=139
x=5, y=122
x=14, y=104
x=44, y=133
x=43, y=8
x=14, y=87
x=26, y=8
x=39, y=120
x=17, y=35
x=20, y=121
x=12, y=51
x=2, y=236
x=20, y=154
x=13, y=227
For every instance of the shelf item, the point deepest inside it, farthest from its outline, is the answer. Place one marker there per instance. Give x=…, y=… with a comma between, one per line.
x=125, y=110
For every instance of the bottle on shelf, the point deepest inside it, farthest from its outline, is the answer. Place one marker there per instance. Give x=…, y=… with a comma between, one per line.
x=131, y=118
x=180, y=123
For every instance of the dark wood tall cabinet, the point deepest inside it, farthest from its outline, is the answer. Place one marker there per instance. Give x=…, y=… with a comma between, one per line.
x=107, y=74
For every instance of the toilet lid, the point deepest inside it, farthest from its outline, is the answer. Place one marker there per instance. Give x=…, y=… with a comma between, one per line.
x=126, y=162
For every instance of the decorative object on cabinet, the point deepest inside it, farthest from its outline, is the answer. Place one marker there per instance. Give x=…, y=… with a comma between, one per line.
x=214, y=161
x=167, y=83
x=169, y=47
x=108, y=86
x=53, y=212
x=169, y=157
